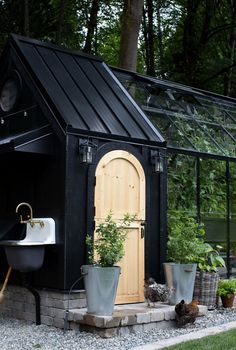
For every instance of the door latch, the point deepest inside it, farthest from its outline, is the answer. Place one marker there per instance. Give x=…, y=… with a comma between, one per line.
x=143, y=226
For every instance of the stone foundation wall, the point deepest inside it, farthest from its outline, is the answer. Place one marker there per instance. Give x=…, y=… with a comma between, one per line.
x=19, y=303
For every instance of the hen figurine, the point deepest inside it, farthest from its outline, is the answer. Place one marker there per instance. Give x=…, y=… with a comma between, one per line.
x=186, y=313
x=155, y=292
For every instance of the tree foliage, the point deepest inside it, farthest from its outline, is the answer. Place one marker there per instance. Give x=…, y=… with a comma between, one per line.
x=187, y=41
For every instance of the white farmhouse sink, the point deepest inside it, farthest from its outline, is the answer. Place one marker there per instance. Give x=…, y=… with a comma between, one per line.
x=28, y=254
x=36, y=234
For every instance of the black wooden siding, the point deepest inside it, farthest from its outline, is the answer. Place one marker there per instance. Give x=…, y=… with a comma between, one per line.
x=85, y=93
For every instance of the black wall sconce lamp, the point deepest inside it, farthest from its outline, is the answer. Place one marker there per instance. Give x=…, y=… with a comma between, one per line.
x=157, y=160
x=86, y=151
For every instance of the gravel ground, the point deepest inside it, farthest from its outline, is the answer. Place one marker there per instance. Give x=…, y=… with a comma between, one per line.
x=15, y=334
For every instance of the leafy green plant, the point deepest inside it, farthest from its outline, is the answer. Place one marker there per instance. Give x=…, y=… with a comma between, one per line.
x=209, y=258
x=108, y=247
x=226, y=287
x=185, y=239
x=187, y=244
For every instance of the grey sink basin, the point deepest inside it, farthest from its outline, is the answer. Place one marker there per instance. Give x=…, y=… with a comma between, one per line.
x=28, y=254
x=25, y=258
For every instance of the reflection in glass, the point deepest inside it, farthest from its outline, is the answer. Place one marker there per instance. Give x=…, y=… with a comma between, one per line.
x=174, y=136
x=182, y=184
x=188, y=119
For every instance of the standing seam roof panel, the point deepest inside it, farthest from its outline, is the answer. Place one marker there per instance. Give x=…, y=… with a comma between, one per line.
x=143, y=123
x=50, y=85
x=72, y=92
x=115, y=104
x=104, y=113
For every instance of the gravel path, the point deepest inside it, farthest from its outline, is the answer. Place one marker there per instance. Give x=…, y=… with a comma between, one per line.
x=15, y=334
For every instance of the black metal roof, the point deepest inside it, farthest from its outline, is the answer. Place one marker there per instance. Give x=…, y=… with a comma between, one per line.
x=83, y=93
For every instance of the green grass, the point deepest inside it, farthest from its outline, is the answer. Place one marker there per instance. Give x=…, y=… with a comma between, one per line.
x=224, y=340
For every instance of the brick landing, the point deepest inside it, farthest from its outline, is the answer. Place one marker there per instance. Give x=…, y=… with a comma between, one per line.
x=126, y=319
x=19, y=303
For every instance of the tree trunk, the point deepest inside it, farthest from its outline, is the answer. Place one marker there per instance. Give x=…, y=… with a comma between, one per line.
x=229, y=74
x=58, y=38
x=151, y=68
x=92, y=24
x=232, y=44
x=130, y=25
x=190, y=47
x=160, y=39
x=145, y=35
x=26, y=17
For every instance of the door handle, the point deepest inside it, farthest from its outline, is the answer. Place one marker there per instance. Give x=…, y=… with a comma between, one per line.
x=143, y=226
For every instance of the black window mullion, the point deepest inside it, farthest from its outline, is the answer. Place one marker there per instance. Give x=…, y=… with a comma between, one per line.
x=212, y=139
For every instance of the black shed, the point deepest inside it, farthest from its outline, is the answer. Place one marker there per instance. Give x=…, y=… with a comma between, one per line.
x=55, y=103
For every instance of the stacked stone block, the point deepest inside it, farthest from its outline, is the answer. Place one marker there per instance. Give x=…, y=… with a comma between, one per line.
x=19, y=303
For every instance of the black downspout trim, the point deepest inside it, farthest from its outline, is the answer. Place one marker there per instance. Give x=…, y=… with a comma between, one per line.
x=26, y=283
x=198, y=185
x=228, y=218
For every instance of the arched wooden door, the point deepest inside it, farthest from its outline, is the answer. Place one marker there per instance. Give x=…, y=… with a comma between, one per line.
x=120, y=187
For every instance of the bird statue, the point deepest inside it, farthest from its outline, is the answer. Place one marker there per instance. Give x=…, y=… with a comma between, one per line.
x=186, y=313
x=155, y=292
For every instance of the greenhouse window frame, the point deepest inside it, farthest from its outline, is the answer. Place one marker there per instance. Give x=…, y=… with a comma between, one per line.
x=138, y=81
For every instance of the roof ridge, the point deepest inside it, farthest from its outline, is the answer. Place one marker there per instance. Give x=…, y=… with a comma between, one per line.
x=16, y=38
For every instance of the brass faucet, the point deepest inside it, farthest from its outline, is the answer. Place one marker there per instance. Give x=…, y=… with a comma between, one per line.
x=30, y=219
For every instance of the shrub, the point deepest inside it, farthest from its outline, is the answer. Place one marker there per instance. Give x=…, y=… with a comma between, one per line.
x=185, y=239
x=108, y=247
x=186, y=244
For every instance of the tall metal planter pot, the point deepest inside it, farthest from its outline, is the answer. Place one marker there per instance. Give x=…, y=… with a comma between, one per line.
x=205, y=289
x=180, y=279
x=101, y=287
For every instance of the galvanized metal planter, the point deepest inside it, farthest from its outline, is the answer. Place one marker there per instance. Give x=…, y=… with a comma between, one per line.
x=180, y=279
x=100, y=286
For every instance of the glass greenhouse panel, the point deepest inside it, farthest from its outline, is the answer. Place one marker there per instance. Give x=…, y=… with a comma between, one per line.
x=219, y=112
x=213, y=198
x=137, y=91
x=233, y=218
x=174, y=136
x=233, y=193
x=182, y=184
x=165, y=100
x=232, y=113
x=201, y=114
x=228, y=108
x=232, y=132
x=203, y=122
x=222, y=138
x=213, y=188
x=199, y=135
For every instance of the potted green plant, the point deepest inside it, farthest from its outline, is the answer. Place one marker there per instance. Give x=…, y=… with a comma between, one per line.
x=102, y=276
x=207, y=276
x=227, y=290
x=185, y=239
